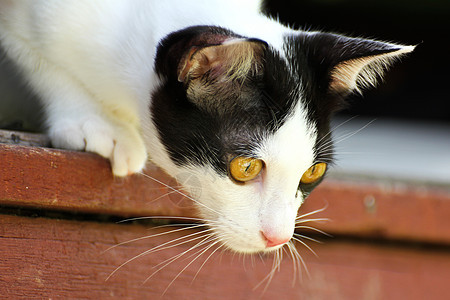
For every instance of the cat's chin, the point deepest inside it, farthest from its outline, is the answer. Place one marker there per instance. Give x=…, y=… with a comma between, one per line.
x=250, y=249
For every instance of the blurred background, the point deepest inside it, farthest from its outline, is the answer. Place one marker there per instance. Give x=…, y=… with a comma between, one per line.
x=390, y=238
x=401, y=129
x=416, y=88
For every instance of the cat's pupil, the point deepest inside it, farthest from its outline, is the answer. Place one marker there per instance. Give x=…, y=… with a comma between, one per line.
x=243, y=169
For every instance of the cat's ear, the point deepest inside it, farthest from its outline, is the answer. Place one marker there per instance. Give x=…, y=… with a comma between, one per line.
x=232, y=60
x=350, y=64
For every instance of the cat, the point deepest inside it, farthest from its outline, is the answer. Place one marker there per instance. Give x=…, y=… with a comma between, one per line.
x=211, y=88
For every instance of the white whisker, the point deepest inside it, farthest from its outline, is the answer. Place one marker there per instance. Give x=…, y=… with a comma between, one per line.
x=334, y=128
x=306, y=245
x=209, y=256
x=205, y=239
x=312, y=220
x=314, y=229
x=276, y=263
x=307, y=238
x=313, y=212
x=295, y=262
x=203, y=233
x=168, y=261
x=156, y=248
x=159, y=188
x=181, y=193
x=294, y=266
x=162, y=196
x=349, y=135
x=159, y=217
x=152, y=236
x=300, y=260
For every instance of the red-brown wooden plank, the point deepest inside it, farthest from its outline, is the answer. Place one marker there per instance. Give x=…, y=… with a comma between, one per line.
x=75, y=181
x=391, y=210
x=78, y=181
x=58, y=259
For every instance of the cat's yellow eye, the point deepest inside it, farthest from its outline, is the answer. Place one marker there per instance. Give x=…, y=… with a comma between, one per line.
x=314, y=173
x=244, y=169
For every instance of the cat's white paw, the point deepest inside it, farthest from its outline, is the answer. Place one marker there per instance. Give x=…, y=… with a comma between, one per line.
x=121, y=144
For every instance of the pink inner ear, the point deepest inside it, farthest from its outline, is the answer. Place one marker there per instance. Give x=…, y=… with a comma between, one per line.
x=209, y=59
x=231, y=60
x=199, y=61
x=188, y=63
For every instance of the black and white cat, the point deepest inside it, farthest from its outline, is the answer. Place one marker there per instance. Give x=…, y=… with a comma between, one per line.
x=209, y=87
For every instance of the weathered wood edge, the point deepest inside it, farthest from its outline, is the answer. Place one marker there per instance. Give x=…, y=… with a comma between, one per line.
x=24, y=138
x=77, y=181
x=37, y=177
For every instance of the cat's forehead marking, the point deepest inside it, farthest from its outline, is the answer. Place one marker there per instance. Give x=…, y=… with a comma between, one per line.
x=269, y=112
x=291, y=150
x=291, y=147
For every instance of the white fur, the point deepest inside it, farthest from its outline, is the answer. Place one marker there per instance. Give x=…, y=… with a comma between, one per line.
x=240, y=213
x=364, y=72
x=91, y=61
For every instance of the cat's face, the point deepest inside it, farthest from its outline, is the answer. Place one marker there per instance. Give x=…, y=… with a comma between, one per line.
x=251, y=124
x=258, y=214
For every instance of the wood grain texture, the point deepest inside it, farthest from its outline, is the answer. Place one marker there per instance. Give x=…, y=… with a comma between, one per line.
x=82, y=182
x=77, y=181
x=24, y=138
x=384, y=210
x=62, y=259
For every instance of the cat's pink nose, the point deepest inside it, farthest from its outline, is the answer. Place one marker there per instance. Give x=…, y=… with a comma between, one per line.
x=274, y=240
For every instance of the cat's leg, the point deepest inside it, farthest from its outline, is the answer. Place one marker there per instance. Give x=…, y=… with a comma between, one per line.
x=79, y=121
x=79, y=115
x=85, y=127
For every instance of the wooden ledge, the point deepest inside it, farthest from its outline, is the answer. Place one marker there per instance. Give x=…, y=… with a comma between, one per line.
x=60, y=258
x=45, y=258
x=380, y=210
x=36, y=177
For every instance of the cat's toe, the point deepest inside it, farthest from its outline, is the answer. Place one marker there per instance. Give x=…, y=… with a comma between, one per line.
x=67, y=135
x=119, y=143
x=128, y=158
x=99, y=137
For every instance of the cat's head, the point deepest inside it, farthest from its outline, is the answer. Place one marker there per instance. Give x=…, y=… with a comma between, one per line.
x=251, y=123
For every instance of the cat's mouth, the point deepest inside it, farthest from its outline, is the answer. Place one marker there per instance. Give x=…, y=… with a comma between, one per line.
x=248, y=241
x=256, y=247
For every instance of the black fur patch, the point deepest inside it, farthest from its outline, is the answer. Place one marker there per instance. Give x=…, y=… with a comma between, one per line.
x=195, y=135
x=313, y=57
